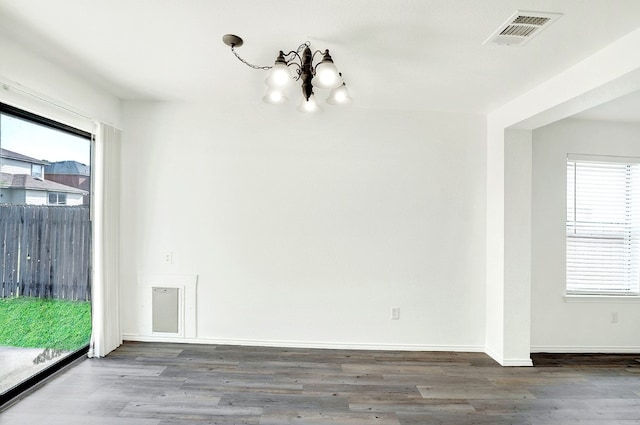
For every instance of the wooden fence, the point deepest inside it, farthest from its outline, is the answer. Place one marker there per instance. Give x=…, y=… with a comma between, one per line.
x=46, y=252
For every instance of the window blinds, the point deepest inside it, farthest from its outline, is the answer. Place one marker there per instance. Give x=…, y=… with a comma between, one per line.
x=603, y=217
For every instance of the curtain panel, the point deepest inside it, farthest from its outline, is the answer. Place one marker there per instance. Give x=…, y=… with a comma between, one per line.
x=106, y=335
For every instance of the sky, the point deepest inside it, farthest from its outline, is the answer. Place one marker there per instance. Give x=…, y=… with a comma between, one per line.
x=42, y=142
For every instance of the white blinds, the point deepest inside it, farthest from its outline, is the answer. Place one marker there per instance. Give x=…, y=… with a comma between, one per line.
x=603, y=217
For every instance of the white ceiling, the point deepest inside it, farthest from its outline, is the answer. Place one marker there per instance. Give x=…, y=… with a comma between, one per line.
x=402, y=54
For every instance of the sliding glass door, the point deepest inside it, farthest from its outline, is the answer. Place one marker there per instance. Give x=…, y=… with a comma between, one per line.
x=45, y=246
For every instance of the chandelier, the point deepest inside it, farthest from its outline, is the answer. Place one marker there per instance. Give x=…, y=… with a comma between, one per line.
x=322, y=75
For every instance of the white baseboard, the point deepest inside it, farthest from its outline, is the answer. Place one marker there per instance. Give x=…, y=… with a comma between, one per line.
x=305, y=344
x=508, y=362
x=517, y=362
x=584, y=349
x=389, y=347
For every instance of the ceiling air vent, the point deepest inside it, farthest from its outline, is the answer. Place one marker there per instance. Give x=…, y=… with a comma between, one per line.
x=521, y=27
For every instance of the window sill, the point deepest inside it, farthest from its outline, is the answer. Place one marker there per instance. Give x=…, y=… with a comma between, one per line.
x=602, y=298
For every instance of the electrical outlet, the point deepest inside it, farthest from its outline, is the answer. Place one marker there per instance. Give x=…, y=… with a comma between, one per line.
x=614, y=317
x=168, y=257
x=395, y=313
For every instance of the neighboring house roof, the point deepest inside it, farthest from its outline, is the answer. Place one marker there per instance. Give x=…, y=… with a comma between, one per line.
x=5, y=153
x=67, y=167
x=25, y=181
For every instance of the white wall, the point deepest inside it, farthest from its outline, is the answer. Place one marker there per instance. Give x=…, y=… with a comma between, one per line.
x=29, y=71
x=613, y=71
x=307, y=230
x=558, y=325
x=11, y=196
x=74, y=199
x=35, y=197
x=517, y=245
x=12, y=166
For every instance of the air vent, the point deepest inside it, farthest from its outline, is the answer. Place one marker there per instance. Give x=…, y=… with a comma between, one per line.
x=521, y=27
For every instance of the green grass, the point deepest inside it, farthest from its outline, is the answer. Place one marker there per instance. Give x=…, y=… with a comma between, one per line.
x=44, y=323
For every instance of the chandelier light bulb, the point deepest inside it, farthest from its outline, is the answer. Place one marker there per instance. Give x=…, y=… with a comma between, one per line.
x=310, y=105
x=327, y=75
x=275, y=96
x=339, y=95
x=279, y=76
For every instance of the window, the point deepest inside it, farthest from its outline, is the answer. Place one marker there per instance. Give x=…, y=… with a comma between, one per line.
x=37, y=171
x=603, y=225
x=57, y=198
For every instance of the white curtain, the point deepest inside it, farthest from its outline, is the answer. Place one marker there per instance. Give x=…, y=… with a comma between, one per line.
x=106, y=334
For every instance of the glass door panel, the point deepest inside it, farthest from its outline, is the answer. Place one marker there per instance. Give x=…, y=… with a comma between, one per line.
x=45, y=245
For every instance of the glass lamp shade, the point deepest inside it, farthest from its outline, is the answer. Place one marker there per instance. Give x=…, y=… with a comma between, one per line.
x=279, y=76
x=327, y=75
x=310, y=105
x=339, y=95
x=275, y=96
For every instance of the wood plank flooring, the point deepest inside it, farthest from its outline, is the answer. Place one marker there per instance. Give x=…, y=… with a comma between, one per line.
x=171, y=384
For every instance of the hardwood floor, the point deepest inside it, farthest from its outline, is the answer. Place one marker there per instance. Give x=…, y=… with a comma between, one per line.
x=170, y=384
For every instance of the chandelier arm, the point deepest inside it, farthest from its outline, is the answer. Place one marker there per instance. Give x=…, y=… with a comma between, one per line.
x=313, y=57
x=292, y=52
x=303, y=46
x=250, y=65
x=298, y=70
x=294, y=55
